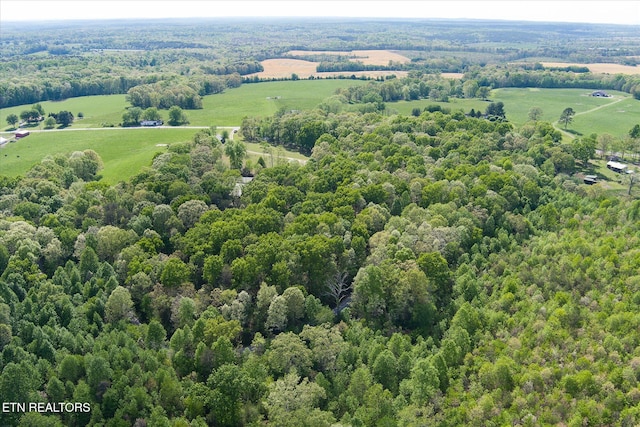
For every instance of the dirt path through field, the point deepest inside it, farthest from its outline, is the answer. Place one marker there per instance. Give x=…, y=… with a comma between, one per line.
x=572, y=136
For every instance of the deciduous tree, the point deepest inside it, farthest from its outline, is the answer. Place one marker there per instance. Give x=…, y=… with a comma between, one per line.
x=567, y=116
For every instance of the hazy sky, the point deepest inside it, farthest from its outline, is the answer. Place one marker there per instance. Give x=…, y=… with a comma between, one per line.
x=618, y=12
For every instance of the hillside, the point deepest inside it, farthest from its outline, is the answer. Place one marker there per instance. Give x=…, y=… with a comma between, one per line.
x=457, y=276
x=397, y=251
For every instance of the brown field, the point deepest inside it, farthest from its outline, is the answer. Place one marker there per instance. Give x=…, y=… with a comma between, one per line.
x=599, y=68
x=284, y=67
x=367, y=57
x=452, y=75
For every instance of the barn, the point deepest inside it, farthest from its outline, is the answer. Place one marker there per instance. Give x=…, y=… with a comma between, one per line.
x=617, y=166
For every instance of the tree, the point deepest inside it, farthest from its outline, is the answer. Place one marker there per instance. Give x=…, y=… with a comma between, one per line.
x=177, y=117
x=385, y=370
x=119, y=306
x=292, y=402
x=604, y=143
x=567, y=116
x=12, y=120
x=495, y=110
x=64, y=118
x=224, y=135
x=151, y=113
x=583, y=149
x=174, y=273
x=337, y=288
x=236, y=151
x=30, y=116
x=131, y=117
x=470, y=88
x=483, y=92
x=535, y=114
x=38, y=107
x=49, y=123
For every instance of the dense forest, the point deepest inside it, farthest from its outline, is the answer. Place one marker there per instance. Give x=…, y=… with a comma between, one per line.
x=439, y=268
x=55, y=61
x=427, y=269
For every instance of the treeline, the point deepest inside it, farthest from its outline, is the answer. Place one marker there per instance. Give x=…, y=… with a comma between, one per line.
x=337, y=66
x=164, y=95
x=36, y=90
x=241, y=68
x=515, y=76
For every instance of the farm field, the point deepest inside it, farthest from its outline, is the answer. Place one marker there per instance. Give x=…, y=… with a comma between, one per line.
x=224, y=109
x=599, y=67
x=614, y=115
x=264, y=99
x=369, y=57
x=123, y=151
x=97, y=110
x=285, y=67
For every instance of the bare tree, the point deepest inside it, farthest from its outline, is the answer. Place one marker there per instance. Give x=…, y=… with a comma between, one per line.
x=337, y=288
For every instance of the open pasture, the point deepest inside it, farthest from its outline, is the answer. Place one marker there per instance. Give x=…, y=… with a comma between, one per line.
x=615, y=115
x=97, y=110
x=223, y=109
x=123, y=151
x=264, y=99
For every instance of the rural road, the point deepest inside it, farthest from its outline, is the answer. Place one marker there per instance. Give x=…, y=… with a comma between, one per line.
x=134, y=128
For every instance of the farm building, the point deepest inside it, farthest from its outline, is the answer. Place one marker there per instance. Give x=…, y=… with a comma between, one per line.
x=151, y=123
x=21, y=134
x=600, y=93
x=591, y=179
x=3, y=141
x=617, y=166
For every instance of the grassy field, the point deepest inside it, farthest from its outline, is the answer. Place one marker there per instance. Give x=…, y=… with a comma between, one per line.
x=615, y=115
x=123, y=152
x=224, y=109
x=264, y=99
x=96, y=110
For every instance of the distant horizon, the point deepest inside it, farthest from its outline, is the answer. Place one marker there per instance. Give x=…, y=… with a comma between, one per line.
x=302, y=17
x=562, y=11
